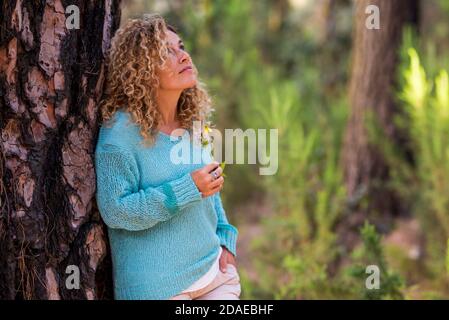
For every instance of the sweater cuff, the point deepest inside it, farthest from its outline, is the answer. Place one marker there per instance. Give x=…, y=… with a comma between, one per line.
x=228, y=235
x=185, y=191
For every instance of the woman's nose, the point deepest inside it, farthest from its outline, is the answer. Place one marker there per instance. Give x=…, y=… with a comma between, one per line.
x=184, y=57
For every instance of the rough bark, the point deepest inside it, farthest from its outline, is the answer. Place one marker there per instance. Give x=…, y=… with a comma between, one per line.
x=51, y=80
x=372, y=88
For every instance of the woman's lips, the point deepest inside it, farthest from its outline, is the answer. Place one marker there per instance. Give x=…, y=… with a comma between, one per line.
x=186, y=69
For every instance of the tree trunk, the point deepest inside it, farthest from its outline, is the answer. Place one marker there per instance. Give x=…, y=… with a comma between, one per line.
x=372, y=88
x=51, y=80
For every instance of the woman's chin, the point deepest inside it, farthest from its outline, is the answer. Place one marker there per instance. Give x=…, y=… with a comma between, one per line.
x=190, y=84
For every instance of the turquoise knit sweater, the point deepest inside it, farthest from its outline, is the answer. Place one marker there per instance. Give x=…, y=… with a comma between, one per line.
x=163, y=235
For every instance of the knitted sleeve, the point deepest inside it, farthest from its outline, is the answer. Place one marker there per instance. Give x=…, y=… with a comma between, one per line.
x=226, y=232
x=123, y=205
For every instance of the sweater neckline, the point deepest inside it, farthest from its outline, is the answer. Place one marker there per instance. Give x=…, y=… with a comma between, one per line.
x=169, y=137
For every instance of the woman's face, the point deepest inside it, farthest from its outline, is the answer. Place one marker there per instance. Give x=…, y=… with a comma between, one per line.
x=178, y=72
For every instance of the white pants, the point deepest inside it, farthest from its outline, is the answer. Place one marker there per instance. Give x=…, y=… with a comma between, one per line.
x=225, y=286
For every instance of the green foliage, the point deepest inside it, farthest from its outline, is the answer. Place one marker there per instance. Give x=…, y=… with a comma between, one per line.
x=300, y=242
x=372, y=253
x=425, y=97
x=447, y=258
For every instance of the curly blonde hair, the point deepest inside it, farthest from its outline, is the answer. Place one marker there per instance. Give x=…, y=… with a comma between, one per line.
x=137, y=49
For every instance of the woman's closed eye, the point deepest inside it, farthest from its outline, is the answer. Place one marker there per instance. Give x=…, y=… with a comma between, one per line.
x=173, y=50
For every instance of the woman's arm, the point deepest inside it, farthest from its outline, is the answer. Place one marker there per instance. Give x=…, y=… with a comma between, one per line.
x=226, y=232
x=123, y=205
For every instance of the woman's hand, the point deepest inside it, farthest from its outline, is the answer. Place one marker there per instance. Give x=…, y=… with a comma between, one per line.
x=226, y=258
x=205, y=181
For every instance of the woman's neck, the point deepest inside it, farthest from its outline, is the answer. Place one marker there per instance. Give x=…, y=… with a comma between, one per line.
x=168, y=102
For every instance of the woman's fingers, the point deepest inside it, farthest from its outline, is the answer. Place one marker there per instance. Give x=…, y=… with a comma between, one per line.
x=210, y=167
x=216, y=183
x=207, y=184
x=215, y=174
x=223, y=261
x=219, y=171
x=212, y=191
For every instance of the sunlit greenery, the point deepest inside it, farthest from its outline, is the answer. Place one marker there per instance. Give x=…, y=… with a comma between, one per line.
x=426, y=102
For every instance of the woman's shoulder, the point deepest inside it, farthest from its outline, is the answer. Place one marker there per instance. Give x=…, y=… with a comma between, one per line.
x=119, y=131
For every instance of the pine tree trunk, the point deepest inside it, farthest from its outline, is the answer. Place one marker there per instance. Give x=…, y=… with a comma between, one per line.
x=51, y=80
x=372, y=88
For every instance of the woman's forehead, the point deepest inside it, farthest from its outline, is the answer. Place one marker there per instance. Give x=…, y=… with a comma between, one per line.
x=173, y=38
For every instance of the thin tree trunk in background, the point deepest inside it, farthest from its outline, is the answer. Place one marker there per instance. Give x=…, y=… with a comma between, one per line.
x=51, y=80
x=372, y=85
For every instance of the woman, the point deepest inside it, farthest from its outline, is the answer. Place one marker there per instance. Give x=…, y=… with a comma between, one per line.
x=169, y=234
